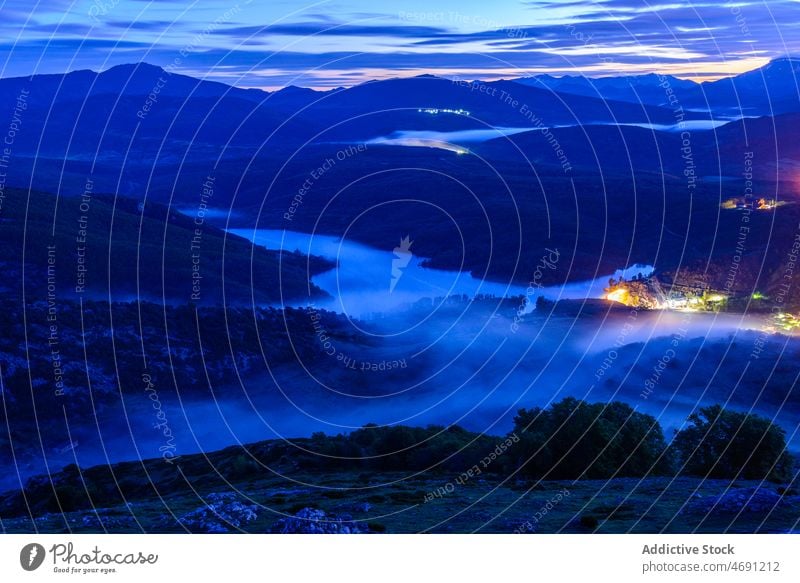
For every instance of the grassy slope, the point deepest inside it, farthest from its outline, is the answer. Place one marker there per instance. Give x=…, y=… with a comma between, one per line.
x=392, y=501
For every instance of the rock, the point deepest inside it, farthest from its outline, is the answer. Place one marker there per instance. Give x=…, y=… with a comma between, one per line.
x=222, y=512
x=313, y=521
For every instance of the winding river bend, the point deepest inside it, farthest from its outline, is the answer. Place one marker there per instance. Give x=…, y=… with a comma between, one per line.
x=363, y=281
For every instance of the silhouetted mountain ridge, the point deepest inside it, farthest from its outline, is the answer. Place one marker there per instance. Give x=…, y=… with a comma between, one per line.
x=768, y=90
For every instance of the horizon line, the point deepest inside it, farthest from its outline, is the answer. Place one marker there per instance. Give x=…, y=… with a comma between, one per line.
x=194, y=74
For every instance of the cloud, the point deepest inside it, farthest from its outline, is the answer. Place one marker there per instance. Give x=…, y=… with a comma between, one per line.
x=54, y=28
x=331, y=29
x=354, y=42
x=148, y=25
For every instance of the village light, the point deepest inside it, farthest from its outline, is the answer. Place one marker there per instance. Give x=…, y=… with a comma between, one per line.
x=618, y=295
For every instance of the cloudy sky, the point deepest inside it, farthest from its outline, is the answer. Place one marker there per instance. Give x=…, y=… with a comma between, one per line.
x=273, y=43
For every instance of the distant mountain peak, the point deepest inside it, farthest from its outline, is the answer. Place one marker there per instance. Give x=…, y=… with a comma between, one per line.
x=142, y=66
x=295, y=89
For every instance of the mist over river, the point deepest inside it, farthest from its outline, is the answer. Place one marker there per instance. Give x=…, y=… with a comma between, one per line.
x=465, y=365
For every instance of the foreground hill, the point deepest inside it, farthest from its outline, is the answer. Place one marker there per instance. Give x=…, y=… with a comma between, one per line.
x=284, y=487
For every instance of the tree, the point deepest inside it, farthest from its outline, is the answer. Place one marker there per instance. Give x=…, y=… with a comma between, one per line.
x=574, y=439
x=727, y=444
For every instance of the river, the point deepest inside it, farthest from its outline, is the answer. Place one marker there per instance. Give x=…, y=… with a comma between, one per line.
x=362, y=283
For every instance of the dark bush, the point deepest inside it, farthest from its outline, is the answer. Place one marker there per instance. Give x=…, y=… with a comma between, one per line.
x=400, y=448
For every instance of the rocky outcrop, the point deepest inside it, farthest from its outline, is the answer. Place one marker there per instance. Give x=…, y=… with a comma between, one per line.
x=222, y=512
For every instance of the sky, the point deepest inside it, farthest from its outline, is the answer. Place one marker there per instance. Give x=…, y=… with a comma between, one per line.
x=331, y=43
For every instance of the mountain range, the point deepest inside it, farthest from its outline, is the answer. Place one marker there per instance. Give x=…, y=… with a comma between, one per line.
x=768, y=90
